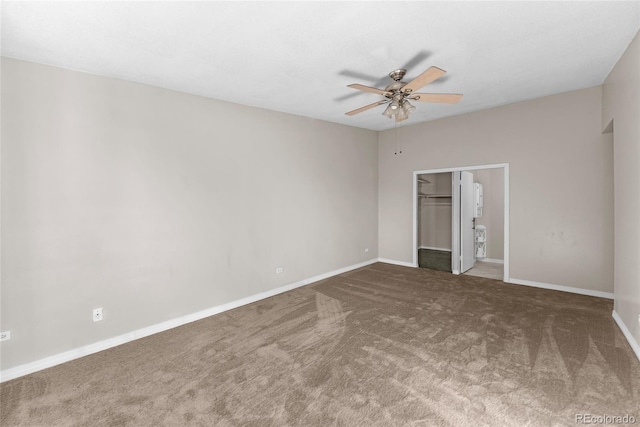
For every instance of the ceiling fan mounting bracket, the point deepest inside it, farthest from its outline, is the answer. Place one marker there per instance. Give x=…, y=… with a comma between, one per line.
x=398, y=74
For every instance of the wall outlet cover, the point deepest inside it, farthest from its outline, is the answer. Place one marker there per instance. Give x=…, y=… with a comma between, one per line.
x=6, y=335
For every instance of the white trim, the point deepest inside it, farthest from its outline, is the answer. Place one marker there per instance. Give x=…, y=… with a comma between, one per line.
x=493, y=260
x=506, y=271
x=414, y=249
x=505, y=167
x=394, y=262
x=463, y=168
x=562, y=288
x=67, y=356
x=434, y=249
x=627, y=334
x=455, y=223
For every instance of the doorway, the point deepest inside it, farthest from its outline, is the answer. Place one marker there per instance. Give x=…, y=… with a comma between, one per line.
x=476, y=242
x=434, y=221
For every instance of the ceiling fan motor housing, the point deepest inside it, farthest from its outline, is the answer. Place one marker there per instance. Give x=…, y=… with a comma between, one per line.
x=394, y=88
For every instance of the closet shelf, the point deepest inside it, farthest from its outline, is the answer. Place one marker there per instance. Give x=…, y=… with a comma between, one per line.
x=436, y=199
x=435, y=196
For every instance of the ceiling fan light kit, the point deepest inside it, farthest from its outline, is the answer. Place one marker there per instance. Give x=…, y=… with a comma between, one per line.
x=409, y=108
x=398, y=94
x=388, y=111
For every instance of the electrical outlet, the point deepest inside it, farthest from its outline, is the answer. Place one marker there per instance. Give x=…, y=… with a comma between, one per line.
x=366, y=249
x=279, y=270
x=6, y=335
x=97, y=314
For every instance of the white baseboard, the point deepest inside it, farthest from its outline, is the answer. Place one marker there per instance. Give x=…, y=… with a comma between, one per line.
x=435, y=249
x=493, y=260
x=392, y=261
x=627, y=334
x=67, y=356
x=570, y=289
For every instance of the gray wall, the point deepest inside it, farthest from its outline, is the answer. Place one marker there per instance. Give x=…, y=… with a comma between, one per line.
x=621, y=103
x=561, y=183
x=155, y=204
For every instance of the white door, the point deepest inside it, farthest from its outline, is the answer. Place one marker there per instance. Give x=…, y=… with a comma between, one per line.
x=467, y=231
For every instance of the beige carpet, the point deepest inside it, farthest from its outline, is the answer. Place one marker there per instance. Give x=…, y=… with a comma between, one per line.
x=383, y=345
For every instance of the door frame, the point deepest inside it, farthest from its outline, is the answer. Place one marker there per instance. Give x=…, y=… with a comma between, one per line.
x=455, y=230
x=457, y=220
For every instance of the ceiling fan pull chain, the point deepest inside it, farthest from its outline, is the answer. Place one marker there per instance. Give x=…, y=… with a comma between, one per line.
x=395, y=138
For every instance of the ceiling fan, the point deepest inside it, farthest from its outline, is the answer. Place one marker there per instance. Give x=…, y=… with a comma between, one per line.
x=398, y=94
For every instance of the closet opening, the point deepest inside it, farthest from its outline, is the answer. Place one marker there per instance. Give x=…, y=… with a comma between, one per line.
x=461, y=220
x=434, y=221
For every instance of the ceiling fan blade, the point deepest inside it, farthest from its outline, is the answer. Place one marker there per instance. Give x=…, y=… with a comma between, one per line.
x=443, y=98
x=432, y=74
x=369, y=89
x=366, y=107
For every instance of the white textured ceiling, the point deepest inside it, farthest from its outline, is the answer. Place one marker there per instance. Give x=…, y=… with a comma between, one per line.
x=298, y=57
